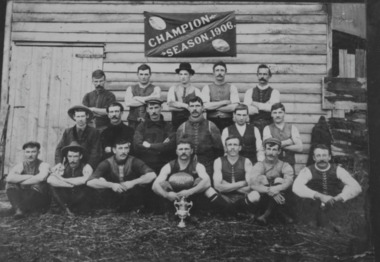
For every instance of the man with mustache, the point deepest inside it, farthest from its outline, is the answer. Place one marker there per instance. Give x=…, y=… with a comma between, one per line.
x=204, y=135
x=26, y=186
x=136, y=96
x=260, y=99
x=324, y=183
x=124, y=178
x=272, y=179
x=288, y=134
x=68, y=183
x=220, y=98
x=115, y=130
x=99, y=99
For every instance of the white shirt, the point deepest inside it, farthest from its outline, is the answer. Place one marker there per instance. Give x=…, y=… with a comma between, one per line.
x=234, y=94
x=173, y=89
x=274, y=98
x=129, y=94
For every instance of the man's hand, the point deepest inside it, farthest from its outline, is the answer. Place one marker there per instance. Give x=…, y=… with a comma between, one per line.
x=280, y=199
x=333, y=200
x=58, y=169
x=167, y=140
x=324, y=198
x=273, y=191
x=172, y=196
x=146, y=144
x=184, y=193
x=87, y=169
x=127, y=185
x=118, y=188
x=108, y=149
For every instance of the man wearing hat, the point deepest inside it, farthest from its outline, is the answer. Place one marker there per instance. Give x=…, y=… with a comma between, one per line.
x=179, y=95
x=272, y=179
x=220, y=98
x=115, y=130
x=136, y=96
x=86, y=136
x=26, y=182
x=154, y=139
x=68, y=182
x=99, y=99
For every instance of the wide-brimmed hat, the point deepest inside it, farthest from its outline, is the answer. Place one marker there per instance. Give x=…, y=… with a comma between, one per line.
x=185, y=66
x=73, y=146
x=71, y=111
x=272, y=140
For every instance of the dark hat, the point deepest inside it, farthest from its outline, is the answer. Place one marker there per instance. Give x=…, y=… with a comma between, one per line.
x=74, y=146
x=154, y=100
x=272, y=140
x=185, y=66
x=71, y=111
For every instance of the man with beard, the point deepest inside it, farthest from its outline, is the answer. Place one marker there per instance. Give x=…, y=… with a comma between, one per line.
x=220, y=98
x=122, y=179
x=288, y=134
x=154, y=139
x=136, y=96
x=26, y=183
x=325, y=184
x=260, y=99
x=249, y=135
x=179, y=95
x=99, y=99
x=204, y=135
x=272, y=179
x=68, y=183
x=115, y=130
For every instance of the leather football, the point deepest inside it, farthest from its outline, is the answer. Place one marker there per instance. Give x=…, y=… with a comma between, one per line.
x=180, y=181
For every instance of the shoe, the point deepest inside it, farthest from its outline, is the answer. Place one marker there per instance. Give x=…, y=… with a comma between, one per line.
x=262, y=220
x=19, y=214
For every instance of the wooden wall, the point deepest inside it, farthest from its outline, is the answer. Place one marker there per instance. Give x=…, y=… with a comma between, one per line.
x=290, y=38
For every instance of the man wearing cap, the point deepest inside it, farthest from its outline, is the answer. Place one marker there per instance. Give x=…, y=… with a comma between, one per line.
x=260, y=99
x=154, y=139
x=179, y=95
x=136, y=96
x=68, y=182
x=272, y=179
x=99, y=99
x=26, y=182
x=288, y=134
x=220, y=98
x=86, y=136
x=124, y=178
x=115, y=130
x=249, y=135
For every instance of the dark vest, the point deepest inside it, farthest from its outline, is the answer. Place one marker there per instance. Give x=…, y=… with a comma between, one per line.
x=139, y=111
x=69, y=172
x=233, y=173
x=190, y=169
x=184, y=114
x=261, y=96
x=219, y=93
x=127, y=169
x=286, y=133
x=325, y=182
x=248, y=141
x=31, y=169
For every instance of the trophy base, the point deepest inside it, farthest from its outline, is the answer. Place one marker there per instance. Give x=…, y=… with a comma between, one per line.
x=181, y=224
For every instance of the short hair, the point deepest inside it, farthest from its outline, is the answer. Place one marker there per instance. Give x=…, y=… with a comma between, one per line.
x=272, y=144
x=321, y=146
x=220, y=63
x=121, y=141
x=80, y=110
x=185, y=140
x=264, y=66
x=144, y=67
x=98, y=74
x=196, y=99
x=31, y=144
x=241, y=107
x=232, y=137
x=277, y=106
x=115, y=104
x=75, y=150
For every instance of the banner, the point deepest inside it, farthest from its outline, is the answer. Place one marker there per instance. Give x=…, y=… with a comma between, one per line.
x=190, y=35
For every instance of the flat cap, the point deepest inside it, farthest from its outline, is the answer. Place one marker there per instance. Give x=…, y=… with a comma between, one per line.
x=272, y=140
x=154, y=100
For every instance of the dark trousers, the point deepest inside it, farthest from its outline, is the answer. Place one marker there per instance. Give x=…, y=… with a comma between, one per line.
x=78, y=198
x=28, y=198
x=222, y=123
x=288, y=208
x=125, y=201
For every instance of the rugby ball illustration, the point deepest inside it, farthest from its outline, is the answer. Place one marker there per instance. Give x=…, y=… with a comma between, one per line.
x=157, y=23
x=220, y=45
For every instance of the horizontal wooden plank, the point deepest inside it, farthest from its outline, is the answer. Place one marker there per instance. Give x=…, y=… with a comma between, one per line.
x=139, y=38
x=241, y=48
x=305, y=29
x=139, y=18
x=259, y=9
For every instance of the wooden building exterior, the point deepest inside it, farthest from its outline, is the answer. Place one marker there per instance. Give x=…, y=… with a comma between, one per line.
x=54, y=45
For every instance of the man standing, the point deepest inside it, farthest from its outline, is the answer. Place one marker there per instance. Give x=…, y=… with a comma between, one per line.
x=26, y=187
x=68, y=183
x=220, y=98
x=115, y=130
x=179, y=95
x=288, y=134
x=86, y=136
x=136, y=96
x=272, y=179
x=123, y=176
x=204, y=135
x=260, y=99
x=249, y=135
x=99, y=99
x=154, y=139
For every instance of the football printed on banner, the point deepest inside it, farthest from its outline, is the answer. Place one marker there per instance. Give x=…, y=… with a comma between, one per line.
x=190, y=35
